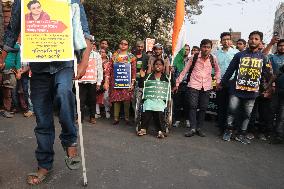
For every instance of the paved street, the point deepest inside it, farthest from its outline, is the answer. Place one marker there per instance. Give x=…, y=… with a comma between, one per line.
x=118, y=159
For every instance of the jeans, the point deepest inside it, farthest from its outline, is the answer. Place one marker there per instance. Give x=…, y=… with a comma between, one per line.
x=198, y=99
x=239, y=112
x=181, y=102
x=47, y=89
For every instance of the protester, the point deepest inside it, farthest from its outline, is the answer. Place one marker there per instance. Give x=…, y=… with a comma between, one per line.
x=181, y=97
x=10, y=74
x=88, y=89
x=195, y=50
x=243, y=94
x=43, y=93
x=141, y=67
x=102, y=95
x=158, y=52
x=120, y=95
x=224, y=56
x=277, y=61
x=241, y=45
x=154, y=108
x=104, y=44
x=199, y=71
x=25, y=79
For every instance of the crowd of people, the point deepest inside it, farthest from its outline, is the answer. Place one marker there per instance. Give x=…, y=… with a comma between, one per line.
x=248, y=80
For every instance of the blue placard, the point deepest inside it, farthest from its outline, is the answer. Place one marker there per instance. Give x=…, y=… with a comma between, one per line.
x=122, y=75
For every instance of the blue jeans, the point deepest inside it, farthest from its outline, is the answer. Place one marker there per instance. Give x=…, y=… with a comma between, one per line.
x=239, y=112
x=47, y=89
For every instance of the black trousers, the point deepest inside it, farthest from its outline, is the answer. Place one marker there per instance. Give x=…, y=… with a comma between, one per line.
x=181, y=102
x=88, y=97
x=158, y=120
x=223, y=103
x=199, y=99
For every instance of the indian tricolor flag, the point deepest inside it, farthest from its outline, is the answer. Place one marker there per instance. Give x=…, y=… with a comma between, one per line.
x=179, y=37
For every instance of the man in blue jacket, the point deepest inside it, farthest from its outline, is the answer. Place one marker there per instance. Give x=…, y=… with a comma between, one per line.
x=249, y=67
x=51, y=81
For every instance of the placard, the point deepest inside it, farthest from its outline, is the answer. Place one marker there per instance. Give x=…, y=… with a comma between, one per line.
x=91, y=72
x=46, y=34
x=249, y=74
x=154, y=89
x=149, y=44
x=122, y=75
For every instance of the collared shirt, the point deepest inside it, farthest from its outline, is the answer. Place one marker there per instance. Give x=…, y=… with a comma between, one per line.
x=224, y=58
x=43, y=16
x=201, y=74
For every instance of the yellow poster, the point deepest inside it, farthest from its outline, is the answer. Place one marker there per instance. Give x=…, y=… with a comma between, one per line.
x=46, y=31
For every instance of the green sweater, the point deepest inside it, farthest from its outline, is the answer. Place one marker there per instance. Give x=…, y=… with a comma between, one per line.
x=13, y=59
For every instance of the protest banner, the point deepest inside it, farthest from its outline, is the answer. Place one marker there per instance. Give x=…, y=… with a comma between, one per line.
x=249, y=74
x=91, y=72
x=46, y=34
x=154, y=89
x=149, y=44
x=122, y=75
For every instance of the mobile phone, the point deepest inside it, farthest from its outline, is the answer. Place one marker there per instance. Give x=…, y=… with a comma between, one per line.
x=275, y=33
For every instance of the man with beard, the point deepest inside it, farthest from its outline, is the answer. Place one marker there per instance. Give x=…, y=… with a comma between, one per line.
x=249, y=67
x=158, y=54
x=277, y=61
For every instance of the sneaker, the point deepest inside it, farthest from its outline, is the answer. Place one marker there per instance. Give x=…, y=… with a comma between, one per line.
x=98, y=116
x=227, y=135
x=187, y=124
x=242, y=139
x=176, y=124
x=250, y=136
x=190, y=133
x=262, y=137
x=200, y=133
x=107, y=115
x=28, y=114
x=7, y=114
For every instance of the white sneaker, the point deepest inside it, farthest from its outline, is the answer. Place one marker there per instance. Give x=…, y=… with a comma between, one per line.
x=107, y=115
x=176, y=124
x=187, y=124
x=97, y=116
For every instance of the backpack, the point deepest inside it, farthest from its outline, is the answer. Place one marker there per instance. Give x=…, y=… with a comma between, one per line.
x=194, y=60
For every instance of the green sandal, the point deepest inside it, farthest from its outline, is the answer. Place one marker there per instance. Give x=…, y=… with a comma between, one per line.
x=72, y=163
x=37, y=176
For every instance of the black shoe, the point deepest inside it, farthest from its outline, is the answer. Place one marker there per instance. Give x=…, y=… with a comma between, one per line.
x=200, y=133
x=190, y=133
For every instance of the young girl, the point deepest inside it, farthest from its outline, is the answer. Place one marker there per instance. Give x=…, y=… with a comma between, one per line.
x=154, y=108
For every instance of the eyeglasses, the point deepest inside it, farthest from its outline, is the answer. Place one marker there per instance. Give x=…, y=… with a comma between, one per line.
x=124, y=44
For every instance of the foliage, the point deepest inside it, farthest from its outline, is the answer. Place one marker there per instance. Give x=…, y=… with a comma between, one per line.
x=134, y=20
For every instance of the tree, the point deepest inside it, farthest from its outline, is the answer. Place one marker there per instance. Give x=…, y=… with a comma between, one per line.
x=135, y=20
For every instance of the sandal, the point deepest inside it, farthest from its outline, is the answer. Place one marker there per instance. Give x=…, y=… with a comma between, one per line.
x=37, y=178
x=72, y=163
x=92, y=120
x=142, y=132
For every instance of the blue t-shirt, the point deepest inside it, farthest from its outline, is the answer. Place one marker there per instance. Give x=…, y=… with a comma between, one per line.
x=277, y=62
x=224, y=58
